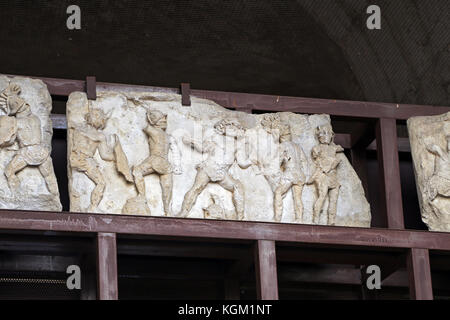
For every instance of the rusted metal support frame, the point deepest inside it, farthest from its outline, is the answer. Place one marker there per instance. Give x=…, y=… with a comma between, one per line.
x=419, y=274
x=223, y=230
x=91, y=87
x=186, y=94
x=388, y=162
x=107, y=277
x=266, y=270
x=233, y=100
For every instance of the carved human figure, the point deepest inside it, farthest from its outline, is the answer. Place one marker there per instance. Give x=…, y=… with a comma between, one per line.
x=86, y=140
x=325, y=178
x=223, y=149
x=22, y=132
x=439, y=182
x=158, y=162
x=292, y=160
x=217, y=210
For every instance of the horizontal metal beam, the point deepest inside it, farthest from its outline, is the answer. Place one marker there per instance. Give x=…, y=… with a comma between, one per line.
x=260, y=102
x=216, y=229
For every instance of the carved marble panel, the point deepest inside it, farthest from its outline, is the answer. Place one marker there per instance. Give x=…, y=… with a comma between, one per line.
x=430, y=147
x=27, y=178
x=144, y=153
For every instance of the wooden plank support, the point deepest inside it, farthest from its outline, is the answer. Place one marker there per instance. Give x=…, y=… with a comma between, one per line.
x=226, y=231
x=91, y=88
x=266, y=270
x=185, y=94
x=353, y=109
x=107, y=285
x=388, y=162
x=247, y=109
x=419, y=274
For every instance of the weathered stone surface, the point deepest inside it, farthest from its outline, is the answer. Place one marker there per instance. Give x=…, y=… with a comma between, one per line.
x=144, y=153
x=430, y=147
x=27, y=179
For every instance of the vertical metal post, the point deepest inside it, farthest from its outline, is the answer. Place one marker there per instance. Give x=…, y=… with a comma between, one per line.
x=391, y=190
x=185, y=94
x=91, y=87
x=266, y=270
x=419, y=274
x=107, y=266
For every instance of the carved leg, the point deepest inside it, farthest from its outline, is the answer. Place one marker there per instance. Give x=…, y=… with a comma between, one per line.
x=278, y=196
x=435, y=208
x=96, y=176
x=46, y=170
x=166, y=182
x=236, y=187
x=322, y=190
x=139, y=172
x=16, y=165
x=200, y=183
x=297, y=190
x=332, y=208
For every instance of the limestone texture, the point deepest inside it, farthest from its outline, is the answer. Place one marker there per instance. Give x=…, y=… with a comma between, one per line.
x=143, y=153
x=27, y=178
x=430, y=147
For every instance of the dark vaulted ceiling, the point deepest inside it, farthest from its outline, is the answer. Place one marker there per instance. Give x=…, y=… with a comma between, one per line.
x=307, y=48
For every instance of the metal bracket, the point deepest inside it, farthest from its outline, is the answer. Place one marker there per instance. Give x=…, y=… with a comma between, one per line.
x=91, y=87
x=185, y=94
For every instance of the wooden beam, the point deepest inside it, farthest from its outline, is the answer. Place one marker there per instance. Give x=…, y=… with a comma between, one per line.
x=186, y=94
x=91, y=87
x=107, y=266
x=226, y=231
x=159, y=248
x=391, y=189
x=403, y=145
x=323, y=255
x=233, y=100
x=418, y=266
x=266, y=270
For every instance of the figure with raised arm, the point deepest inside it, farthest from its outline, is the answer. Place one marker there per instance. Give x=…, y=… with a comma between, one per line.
x=160, y=143
x=20, y=130
x=292, y=162
x=86, y=140
x=225, y=147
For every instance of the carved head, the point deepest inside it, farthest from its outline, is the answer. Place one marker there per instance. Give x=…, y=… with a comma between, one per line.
x=10, y=102
x=325, y=134
x=157, y=119
x=96, y=118
x=229, y=127
x=271, y=122
x=285, y=133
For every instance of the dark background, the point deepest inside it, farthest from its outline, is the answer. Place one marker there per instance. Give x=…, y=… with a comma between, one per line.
x=303, y=48
x=309, y=48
